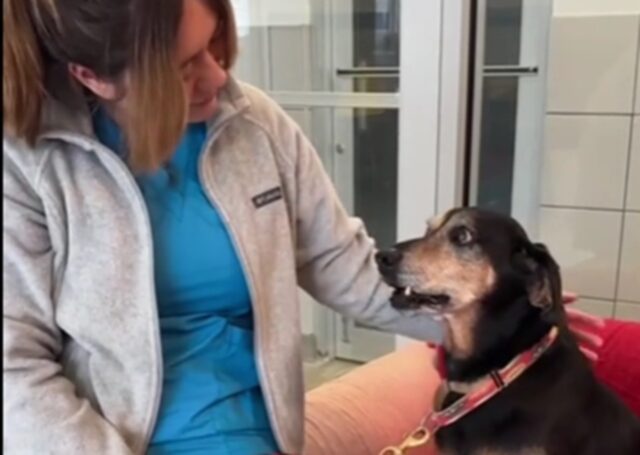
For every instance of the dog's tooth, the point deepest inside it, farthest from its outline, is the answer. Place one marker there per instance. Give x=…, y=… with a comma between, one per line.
x=407, y=291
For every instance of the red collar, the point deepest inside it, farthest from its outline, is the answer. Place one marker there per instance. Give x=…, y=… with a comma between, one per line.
x=481, y=392
x=489, y=386
x=441, y=361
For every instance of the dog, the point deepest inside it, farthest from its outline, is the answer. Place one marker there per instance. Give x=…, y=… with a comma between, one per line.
x=498, y=294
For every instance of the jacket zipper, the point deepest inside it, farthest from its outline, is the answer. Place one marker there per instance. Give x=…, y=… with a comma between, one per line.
x=90, y=143
x=87, y=142
x=245, y=266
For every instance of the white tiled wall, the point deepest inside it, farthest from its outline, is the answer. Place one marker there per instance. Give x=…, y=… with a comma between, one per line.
x=637, y=107
x=581, y=151
x=590, y=214
x=629, y=282
x=564, y=7
x=582, y=44
x=602, y=308
x=586, y=243
x=628, y=311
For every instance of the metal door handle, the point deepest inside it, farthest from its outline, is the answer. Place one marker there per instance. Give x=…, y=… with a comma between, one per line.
x=510, y=71
x=368, y=71
x=393, y=71
x=345, y=330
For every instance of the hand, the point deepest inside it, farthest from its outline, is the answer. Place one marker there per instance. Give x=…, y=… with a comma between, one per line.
x=584, y=326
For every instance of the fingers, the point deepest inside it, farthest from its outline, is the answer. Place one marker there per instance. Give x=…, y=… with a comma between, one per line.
x=569, y=297
x=585, y=327
x=589, y=354
x=580, y=317
x=587, y=339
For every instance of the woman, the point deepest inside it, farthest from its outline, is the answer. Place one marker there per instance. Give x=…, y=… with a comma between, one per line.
x=159, y=217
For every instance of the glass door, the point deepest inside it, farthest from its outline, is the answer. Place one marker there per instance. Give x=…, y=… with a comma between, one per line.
x=507, y=129
x=336, y=68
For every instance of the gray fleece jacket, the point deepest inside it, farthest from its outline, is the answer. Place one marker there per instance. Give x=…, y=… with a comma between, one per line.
x=82, y=359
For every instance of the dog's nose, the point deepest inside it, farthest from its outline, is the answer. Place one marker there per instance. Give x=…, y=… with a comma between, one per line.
x=388, y=259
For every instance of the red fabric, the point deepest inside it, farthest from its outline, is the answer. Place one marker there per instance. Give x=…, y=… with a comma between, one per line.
x=618, y=365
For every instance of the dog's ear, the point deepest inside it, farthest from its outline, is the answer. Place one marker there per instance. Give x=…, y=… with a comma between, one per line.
x=543, y=282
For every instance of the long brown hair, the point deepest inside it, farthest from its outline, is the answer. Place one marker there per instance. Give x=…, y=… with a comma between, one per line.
x=108, y=37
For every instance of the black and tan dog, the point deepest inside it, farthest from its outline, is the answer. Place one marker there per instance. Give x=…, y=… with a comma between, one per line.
x=498, y=294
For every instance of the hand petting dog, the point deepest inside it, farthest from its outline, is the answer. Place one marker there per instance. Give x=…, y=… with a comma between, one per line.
x=584, y=326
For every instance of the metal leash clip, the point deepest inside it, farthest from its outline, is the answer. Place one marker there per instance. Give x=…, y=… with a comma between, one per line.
x=417, y=439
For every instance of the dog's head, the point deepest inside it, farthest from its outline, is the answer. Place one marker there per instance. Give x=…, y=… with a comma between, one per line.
x=472, y=264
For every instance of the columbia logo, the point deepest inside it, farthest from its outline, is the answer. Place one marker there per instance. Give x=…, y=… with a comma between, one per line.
x=267, y=197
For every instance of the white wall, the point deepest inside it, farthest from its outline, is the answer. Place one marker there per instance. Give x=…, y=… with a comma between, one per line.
x=590, y=215
x=568, y=7
x=260, y=13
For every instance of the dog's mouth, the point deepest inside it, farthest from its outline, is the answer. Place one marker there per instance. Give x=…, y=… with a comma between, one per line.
x=405, y=298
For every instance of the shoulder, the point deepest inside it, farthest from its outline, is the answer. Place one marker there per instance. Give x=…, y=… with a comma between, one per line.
x=262, y=108
x=264, y=113
x=37, y=175
x=22, y=163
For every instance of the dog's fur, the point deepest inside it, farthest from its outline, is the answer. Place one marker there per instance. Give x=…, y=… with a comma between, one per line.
x=497, y=294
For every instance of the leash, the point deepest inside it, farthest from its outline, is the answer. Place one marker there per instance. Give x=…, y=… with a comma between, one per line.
x=483, y=390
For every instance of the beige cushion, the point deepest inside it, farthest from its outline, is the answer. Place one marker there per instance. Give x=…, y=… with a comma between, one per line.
x=373, y=406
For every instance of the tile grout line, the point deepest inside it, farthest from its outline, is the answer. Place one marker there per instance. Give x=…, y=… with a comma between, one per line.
x=587, y=209
x=604, y=299
x=591, y=114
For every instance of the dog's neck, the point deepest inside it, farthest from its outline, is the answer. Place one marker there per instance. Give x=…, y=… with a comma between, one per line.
x=476, y=346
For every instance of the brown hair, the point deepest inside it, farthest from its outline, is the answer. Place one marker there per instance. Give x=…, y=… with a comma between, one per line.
x=108, y=37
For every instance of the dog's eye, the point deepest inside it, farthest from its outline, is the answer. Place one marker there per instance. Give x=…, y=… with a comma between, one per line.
x=461, y=236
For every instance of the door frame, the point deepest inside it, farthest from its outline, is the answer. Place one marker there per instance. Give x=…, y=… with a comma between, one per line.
x=532, y=109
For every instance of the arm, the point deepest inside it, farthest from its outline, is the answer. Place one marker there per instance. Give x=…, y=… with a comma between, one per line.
x=42, y=413
x=335, y=255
